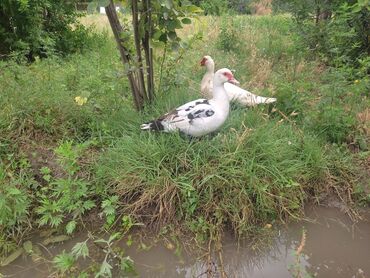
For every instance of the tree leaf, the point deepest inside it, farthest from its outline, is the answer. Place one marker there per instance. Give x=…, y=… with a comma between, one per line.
x=186, y=20
x=172, y=35
x=163, y=38
x=92, y=7
x=157, y=34
x=103, y=3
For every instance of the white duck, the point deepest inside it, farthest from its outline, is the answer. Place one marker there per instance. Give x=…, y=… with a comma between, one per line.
x=234, y=93
x=201, y=116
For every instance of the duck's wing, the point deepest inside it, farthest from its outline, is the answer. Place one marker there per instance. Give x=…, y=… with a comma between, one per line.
x=245, y=97
x=182, y=117
x=189, y=113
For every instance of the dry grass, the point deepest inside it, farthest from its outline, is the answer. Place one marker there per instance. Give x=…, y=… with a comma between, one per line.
x=98, y=21
x=262, y=7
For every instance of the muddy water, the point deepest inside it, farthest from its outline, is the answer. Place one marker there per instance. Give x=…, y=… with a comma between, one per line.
x=334, y=247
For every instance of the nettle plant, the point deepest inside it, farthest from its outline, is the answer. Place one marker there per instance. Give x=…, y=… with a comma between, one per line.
x=115, y=258
x=152, y=22
x=66, y=197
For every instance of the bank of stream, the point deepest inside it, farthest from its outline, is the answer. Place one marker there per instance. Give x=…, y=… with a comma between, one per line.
x=333, y=246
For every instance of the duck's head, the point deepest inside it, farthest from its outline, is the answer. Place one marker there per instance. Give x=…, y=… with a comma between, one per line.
x=208, y=62
x=224, y=75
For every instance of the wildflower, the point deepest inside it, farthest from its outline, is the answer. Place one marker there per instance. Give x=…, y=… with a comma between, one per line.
x=356, y=81
x=80, y=100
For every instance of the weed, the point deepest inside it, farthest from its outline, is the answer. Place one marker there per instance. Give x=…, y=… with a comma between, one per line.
x=65, y=196
x=296, y=268
x=228, y=39
x=64, y=262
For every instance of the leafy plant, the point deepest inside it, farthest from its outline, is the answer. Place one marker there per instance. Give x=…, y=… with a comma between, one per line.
x=14, y=197
x=64, y=262
x=228, y=39
x=109, y=207
x=40, y=28
x=65, y=196
x=151, y=21
x=341, y=39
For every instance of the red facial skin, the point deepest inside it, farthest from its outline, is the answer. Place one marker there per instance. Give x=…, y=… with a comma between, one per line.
x=203, y=62
x=231, y=78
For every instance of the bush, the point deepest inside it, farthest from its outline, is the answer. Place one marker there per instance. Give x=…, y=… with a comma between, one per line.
x=37, y=28
x=337, y=30
x=228, y=39
x=220, y=7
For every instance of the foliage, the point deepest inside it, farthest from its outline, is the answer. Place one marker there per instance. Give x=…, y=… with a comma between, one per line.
x=114, y=257
x=337, y=30
x=40, y=28
x=15, y=197
x=63, y=262
x=221, y=7
x=210, y=7
x=228, y=39
x=65, y=196
x=151, y=21
x=60, y=157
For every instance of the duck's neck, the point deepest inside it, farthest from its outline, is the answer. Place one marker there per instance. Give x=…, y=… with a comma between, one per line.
x=220, y=96
x=210, y=68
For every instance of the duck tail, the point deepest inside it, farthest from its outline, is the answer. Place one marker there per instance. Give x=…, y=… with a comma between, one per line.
x=155, y=125
x=263, y=100
x=270, y=100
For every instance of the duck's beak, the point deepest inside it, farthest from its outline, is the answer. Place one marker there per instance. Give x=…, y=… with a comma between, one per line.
x=232, y=80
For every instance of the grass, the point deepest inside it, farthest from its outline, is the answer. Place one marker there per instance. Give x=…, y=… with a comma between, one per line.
x=262, y=167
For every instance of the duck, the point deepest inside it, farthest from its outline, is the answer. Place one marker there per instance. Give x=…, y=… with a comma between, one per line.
x=198, y=117
x=234, y=92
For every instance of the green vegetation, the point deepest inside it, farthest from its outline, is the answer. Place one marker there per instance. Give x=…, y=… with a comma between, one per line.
x=71, y=149
x=30, y=29
x=336, y=30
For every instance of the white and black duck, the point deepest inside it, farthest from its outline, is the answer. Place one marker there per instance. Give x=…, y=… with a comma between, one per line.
x=201, y=116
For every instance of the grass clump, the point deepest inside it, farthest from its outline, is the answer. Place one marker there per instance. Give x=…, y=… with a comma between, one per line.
x=238, y=179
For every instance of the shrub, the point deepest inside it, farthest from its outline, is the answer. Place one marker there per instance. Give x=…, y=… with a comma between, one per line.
x=336, y=30
x=37, y=28
x=228, y=39
x=220, y=7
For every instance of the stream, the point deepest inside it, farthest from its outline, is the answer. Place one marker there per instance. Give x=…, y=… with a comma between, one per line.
x=334, y=247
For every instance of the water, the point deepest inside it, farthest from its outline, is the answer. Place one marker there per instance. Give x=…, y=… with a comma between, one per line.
x=335, y=247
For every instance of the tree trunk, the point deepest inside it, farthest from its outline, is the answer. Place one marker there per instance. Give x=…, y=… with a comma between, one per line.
x=140, y=67
x=147, y=15
x=125, y=55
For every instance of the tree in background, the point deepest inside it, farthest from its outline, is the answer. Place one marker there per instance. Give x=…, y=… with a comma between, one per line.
x=337, y=30
x=219, y=7
x=37, y=27
x=151, y=21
